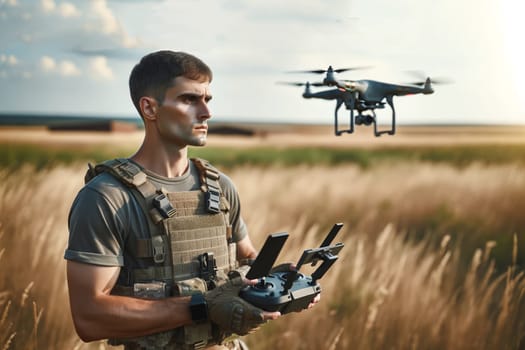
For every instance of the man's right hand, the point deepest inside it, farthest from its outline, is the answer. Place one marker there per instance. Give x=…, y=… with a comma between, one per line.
x=231, y=313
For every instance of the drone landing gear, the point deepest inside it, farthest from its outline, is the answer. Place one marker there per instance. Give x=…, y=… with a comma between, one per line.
x=369, y=119
x=336, y=121
x=363, y=119
x=392, y=131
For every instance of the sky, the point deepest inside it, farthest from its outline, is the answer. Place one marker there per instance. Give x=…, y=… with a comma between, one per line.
x=74, y=57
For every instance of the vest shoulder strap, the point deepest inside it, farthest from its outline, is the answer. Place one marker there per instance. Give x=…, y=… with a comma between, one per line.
x=125, y=171
x=209, y=180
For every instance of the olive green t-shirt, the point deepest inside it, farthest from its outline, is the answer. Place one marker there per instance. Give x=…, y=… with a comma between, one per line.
x=104, y=215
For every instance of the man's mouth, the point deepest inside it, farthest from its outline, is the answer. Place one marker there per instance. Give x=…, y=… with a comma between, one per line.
x=201, y=127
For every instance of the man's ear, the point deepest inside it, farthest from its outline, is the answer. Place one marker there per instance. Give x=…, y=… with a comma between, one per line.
x=148, y=106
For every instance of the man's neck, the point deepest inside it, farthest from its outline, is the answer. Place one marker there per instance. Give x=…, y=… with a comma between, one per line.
x=172, y=163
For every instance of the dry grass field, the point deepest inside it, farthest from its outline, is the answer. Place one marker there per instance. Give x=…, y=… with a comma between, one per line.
x=433, y=255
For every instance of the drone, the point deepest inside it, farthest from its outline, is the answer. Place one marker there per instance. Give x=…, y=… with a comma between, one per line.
x=361, y=96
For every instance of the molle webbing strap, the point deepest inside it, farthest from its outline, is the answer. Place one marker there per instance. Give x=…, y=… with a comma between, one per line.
x=130, y=174
x=153, y=247
x=185, y=205
x=209, y=177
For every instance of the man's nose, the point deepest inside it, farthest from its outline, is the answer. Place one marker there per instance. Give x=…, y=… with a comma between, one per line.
x=204, y=112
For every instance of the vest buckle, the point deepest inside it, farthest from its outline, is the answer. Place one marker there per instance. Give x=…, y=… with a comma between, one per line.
x=131, y=173
x=213, y=200
x=163, y=205
x=208, y=268
x=159, y=253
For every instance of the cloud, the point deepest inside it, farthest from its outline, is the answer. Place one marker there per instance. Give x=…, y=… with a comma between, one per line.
x=68, y=69
x=10, y=60
x=109, y=25
x=100, y=69
x=47, y=64
x=48, y=5
x=64, y=9
x=67, y=9
x=64, y=68
x=11, y=3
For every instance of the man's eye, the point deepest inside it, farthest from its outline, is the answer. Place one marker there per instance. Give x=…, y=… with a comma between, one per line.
x=190, y=99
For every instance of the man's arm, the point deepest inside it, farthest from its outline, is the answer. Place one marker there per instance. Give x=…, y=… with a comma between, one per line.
x=99, y=315
x=245, y=249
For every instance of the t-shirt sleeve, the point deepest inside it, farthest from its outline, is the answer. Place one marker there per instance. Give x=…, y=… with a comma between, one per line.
x=239, y=229
x=94, y=230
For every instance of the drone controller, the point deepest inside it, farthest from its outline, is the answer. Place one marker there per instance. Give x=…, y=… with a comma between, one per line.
x=288, y=291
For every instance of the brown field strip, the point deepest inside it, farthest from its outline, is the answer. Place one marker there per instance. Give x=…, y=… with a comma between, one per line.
x=289, y=136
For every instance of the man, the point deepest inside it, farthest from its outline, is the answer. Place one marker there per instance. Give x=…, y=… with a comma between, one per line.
x=147, y=232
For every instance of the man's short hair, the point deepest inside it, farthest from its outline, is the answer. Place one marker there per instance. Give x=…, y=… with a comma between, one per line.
x=156, y=73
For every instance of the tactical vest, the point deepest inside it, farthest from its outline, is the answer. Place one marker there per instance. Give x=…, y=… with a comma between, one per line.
x=190, y=248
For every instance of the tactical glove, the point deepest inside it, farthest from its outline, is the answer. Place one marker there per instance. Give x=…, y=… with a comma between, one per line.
x=231, y=313
x=241, y=272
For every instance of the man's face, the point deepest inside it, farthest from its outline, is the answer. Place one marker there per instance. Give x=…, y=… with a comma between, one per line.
x=182, y=116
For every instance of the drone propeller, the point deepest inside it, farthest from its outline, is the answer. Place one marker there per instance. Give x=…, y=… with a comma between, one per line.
x=300, y=84
x=434, y=81
x=321, y=71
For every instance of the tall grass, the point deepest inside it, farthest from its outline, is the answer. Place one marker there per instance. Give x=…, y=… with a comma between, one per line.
x=432, y=256
x=431, y=259
x=33, y=235
x=424, y=201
